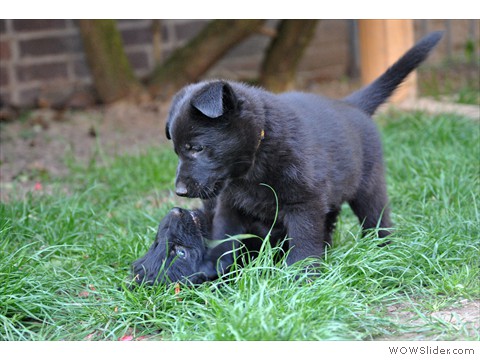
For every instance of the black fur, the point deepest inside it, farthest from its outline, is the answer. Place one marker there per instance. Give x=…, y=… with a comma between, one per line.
x=315, y=152
x=178, y=250
x=189, y=231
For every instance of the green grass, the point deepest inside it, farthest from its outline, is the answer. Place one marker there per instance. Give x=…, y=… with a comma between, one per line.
x=65, y=259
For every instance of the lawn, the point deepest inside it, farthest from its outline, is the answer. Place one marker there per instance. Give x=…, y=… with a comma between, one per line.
x=65, y=257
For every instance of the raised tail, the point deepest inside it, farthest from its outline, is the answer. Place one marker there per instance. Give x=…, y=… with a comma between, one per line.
x=370, y=97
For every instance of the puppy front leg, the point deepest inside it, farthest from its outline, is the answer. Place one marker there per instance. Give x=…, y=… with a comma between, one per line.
x=306, y=231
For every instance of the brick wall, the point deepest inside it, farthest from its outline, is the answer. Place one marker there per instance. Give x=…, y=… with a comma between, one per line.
x=42, y=56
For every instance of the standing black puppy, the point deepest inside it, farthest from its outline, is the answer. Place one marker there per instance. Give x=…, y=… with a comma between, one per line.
x=316, y=153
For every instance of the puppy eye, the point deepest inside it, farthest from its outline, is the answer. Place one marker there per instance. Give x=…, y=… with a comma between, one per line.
x=197, y=148
x=194, y=148
x=180, y=252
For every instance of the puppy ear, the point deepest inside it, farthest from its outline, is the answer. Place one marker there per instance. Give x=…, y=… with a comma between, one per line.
x=215, y=99
x=176, y=101
x=173, y=110
x=167, y=131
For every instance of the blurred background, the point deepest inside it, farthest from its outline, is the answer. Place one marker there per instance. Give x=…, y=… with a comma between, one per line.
x=49, y=63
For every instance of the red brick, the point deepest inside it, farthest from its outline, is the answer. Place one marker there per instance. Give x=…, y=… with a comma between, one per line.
x=50, y=46
x=5, y=53
x=137, y=36
x=81, y=68
x=29, y=97
x=3, y=76
x=35, y=25
x=3, y=26
x=4, y=98
x=48, y=71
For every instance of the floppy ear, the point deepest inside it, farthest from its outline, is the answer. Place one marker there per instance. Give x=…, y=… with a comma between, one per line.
x=169, y=118
x=215, y=99
x=174, y=110
x=167, y=130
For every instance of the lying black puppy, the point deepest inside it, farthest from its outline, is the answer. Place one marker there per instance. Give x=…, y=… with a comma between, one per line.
x=181, y=244
x=178, y=251
x=315, y=152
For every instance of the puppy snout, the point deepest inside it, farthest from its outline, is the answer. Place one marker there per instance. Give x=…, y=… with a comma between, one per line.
x=181, y=189
x=177, y=211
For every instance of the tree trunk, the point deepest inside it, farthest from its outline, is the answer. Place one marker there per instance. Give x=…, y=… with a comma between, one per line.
x=284, y=53
x=189, y=62
x=112, y=74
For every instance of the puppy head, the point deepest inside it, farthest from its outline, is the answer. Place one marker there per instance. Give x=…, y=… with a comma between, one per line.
x=215, y=133
x=177, y=252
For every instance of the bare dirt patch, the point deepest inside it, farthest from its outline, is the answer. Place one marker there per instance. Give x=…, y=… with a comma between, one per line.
x=39, y=147
x=463, y=316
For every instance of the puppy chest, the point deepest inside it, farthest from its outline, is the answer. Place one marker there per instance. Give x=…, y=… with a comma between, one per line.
x=257, y=201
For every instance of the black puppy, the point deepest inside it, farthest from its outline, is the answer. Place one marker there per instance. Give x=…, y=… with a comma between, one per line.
x=178, y=251
x=181, y=244
x=315, y=152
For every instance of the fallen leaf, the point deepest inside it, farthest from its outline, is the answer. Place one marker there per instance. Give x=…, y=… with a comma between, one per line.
x=89, y=336
x=126, y=338
x=83, y=294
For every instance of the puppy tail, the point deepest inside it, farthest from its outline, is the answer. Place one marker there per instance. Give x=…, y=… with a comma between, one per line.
x=370, y=97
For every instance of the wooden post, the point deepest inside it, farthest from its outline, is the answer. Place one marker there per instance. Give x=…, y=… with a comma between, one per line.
x=382, y=42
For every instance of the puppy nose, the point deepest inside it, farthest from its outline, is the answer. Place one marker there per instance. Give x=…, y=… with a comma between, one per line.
x=177, y=211
x=181, y=189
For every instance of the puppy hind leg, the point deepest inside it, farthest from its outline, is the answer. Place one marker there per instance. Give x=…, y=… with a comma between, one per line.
x=372, y=211
x=306, y=235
